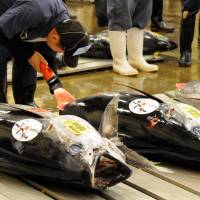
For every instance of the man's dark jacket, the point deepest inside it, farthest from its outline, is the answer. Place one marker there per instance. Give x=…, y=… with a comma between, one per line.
x=25, y=20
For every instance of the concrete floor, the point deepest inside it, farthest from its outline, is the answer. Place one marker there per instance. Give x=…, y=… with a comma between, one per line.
x=87, y=83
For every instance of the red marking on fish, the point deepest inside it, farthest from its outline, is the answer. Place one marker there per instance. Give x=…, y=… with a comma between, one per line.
x=180, y=86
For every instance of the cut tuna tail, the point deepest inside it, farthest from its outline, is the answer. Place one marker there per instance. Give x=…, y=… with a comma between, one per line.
x=180, y=86
x=138, y=161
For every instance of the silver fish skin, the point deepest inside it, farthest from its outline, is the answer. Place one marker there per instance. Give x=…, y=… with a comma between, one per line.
x=189, y=90
x=188, y=93
x=155, y=129
x=65, y=149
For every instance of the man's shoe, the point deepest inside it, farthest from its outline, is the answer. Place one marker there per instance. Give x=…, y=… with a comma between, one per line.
x=185, y=59
x=33, y=104
x=161, y=26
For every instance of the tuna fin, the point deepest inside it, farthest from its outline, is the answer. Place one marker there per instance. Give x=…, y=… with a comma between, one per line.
x=109, y=129
x=109, y=123
x=138, y=161
x=141, y=92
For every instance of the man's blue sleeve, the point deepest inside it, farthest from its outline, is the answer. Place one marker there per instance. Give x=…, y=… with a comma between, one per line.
x=20, y=17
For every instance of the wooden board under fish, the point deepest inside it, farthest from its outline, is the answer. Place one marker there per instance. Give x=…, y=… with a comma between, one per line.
x=182, y=184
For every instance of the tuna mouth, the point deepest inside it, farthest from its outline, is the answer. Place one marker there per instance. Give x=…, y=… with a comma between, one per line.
x=109, y=171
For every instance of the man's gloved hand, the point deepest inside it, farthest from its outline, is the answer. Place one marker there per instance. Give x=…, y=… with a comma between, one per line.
x=62, y=97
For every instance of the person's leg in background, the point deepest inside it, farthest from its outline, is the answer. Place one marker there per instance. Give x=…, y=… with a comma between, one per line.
x=157, y=22
x=118, y=50
x=186, y=38
x=24, y=76
x=4, y=58
x=190, y=9
x=135, y=37
x=128, y=16
x=117, y=24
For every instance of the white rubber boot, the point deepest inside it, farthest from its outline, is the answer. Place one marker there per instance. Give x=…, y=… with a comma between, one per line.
x=135, y=40
x=118, y=51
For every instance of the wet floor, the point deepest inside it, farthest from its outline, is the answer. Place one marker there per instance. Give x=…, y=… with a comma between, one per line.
x=96, y=81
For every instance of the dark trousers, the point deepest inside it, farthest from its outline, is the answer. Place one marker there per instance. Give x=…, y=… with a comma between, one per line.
x=157, y=11
x=188, y=24
x=126, y=14
x=23, y=76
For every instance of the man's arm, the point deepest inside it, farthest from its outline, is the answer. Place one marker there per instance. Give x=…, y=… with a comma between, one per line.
x=22, y=15
x=16, y=19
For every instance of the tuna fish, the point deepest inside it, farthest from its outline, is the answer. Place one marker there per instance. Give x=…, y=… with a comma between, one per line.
x=153, y=43
x=155, y=129
x=66, y=149
x=188, y=93
x=189, y=90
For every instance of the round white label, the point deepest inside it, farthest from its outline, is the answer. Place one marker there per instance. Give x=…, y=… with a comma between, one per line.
x=143, y=106
x=26, y=129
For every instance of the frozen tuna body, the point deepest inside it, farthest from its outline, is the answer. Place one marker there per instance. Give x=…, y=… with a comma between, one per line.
x=153, y=43
x=63, y=149
x=188, y=93
x=188, y=90
x=147, y=125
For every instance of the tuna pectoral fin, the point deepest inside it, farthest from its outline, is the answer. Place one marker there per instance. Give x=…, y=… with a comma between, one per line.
x=109, y=122
x=138, y=161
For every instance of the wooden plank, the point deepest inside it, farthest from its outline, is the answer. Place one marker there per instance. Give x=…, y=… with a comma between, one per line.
x=92, y=65
x=2, y=197
x=62, y=193
x=13, y=189
x=85, y=64
x=122, y=191
x=159, y=187
x=185, y=178
x=117, y=192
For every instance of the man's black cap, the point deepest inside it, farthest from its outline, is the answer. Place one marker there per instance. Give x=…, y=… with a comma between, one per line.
x=73, y=39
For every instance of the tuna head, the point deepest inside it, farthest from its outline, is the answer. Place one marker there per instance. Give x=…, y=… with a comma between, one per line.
x=85, y=156
x=65, y=149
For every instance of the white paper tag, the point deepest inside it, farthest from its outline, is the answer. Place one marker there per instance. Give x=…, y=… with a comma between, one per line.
x=26, y=129
x=143, y=106
x=81, y=50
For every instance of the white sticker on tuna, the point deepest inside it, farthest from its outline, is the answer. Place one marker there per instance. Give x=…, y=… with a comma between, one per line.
x=143, y=106
x=26, y=129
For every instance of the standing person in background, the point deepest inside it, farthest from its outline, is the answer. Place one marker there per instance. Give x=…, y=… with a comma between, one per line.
x=189, y=10
x=157, y=22
x=32, y=31
x=126, y=22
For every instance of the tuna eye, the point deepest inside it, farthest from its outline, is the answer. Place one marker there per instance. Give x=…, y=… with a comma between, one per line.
x=75, y=149
x=90, y=152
